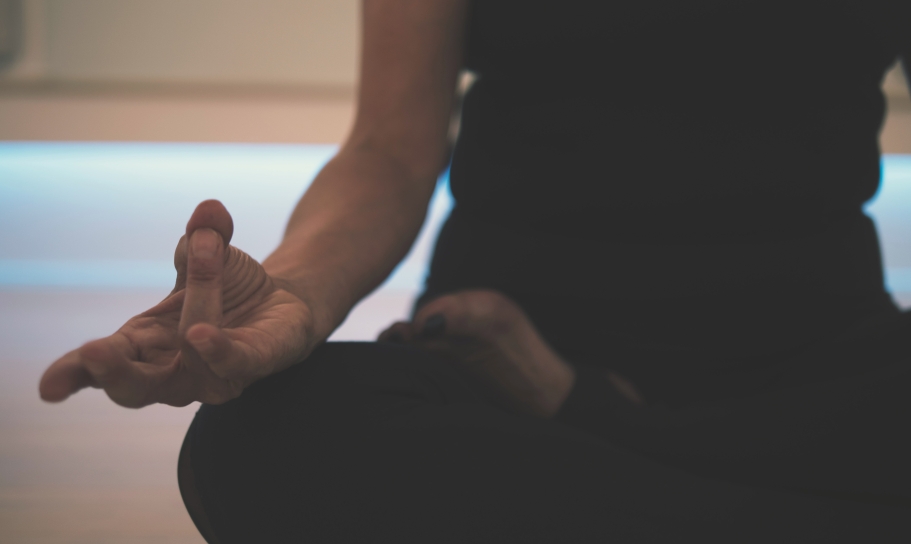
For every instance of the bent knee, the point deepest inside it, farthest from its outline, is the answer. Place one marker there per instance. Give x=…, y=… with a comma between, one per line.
x=247, y=461
x=343, y=373
x=190, y=493
x=341, y=383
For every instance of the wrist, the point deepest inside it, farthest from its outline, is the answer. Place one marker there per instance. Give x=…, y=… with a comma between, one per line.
x=325, y=316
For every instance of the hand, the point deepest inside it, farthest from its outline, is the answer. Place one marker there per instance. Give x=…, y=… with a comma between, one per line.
x=488, y=337
x=226, y=324
x=493, y=343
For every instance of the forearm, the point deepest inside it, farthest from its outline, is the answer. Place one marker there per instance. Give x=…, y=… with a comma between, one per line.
x=355, y=223
x=363, y=211
x=906, y=65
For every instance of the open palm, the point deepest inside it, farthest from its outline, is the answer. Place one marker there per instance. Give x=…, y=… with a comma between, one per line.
x=225, y=325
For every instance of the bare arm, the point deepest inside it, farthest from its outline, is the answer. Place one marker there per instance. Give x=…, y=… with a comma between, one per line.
x=229, y=320
x=365, y=208
x=906, y=64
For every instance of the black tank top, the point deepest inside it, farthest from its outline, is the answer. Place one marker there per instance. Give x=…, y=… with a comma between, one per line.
x=682, y=174
x=674, y=121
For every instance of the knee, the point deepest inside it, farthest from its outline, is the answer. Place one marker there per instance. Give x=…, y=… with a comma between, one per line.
x=341, y=374
x=190, y=493
x=341, y=386
x=292, y=446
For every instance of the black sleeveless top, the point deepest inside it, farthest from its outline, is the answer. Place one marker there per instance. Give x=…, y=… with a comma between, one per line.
x=685, y=177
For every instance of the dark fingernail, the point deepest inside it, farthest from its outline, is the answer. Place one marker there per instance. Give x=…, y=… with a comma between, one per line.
x=434, y=326
x=395, y=338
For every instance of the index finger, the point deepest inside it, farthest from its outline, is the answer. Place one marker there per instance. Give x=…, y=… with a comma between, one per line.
x=64, y=377
x=209, y=231
x=205, y=267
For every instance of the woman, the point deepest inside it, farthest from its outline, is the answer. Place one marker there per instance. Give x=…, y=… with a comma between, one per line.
x=656, y=312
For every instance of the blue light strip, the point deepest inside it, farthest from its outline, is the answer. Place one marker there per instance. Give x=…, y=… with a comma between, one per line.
x=88, y=215
x=127, y=274
x=100, y=273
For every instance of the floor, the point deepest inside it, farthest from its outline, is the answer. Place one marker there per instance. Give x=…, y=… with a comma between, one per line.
x=88, y=236
x=87, y=471
x=88, y=231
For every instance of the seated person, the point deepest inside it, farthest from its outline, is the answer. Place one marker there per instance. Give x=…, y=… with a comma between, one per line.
x=655, y=314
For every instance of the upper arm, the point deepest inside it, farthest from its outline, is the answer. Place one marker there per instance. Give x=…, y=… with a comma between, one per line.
x=410, y=60
x=906, y=64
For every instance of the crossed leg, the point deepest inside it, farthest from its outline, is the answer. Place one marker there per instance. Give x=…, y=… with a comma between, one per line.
x=374, y=442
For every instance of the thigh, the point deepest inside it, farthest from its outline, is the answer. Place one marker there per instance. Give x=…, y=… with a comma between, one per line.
x=369, y=442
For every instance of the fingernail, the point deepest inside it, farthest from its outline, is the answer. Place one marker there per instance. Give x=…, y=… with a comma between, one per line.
x=395, y=338
x=434, y=326
x=204, y=243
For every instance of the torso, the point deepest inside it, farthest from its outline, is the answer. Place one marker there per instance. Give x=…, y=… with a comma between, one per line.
x=694, y=154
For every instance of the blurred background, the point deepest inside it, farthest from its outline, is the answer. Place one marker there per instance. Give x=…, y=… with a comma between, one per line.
x=116, y=118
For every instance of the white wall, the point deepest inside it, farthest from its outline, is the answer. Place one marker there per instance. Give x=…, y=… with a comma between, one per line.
x=221, y=45
x=263, y=42
x=278, y=42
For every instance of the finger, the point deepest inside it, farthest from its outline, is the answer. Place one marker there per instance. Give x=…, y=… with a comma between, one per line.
x=212, y=214
x=198, y=258
x=399, y=332
x=64, y=377
x=180, y=264
x=625, y=387
x=127, y=382
x=444, y=315
x=481, y=314
x=205, y=266
x=225, y=357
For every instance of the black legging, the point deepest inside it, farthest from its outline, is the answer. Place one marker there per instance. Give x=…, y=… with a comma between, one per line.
x=367, y=442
